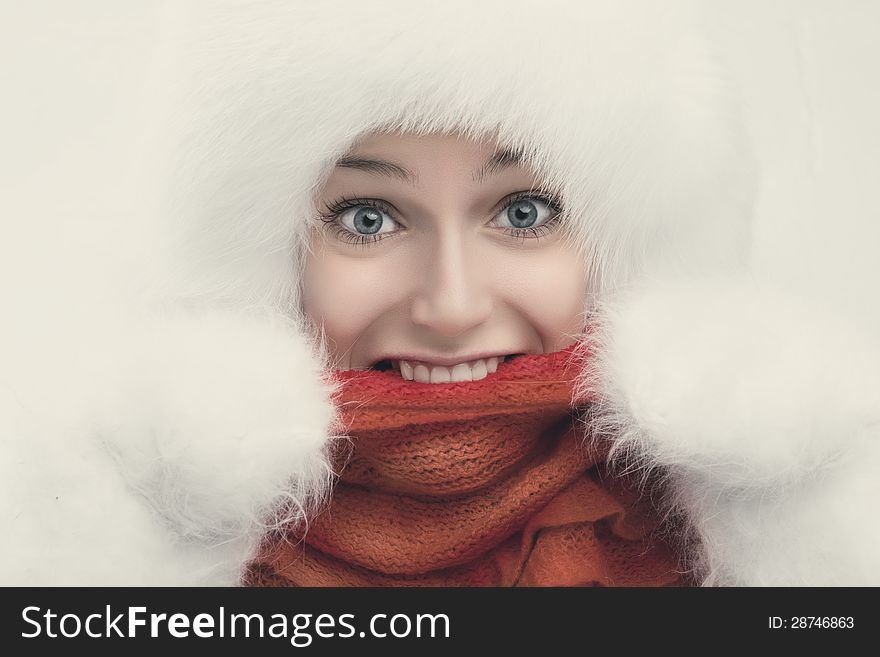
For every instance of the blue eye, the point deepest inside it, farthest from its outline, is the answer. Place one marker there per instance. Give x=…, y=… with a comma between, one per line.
x=359, y=221
x=367, y=220
x=524, y=213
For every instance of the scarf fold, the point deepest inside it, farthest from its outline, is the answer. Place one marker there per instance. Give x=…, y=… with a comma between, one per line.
x=484, y=483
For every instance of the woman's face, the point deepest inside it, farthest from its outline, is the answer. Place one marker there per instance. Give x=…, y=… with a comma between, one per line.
x=439, y=256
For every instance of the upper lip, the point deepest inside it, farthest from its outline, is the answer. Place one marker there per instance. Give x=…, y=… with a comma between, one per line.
x=447, y=360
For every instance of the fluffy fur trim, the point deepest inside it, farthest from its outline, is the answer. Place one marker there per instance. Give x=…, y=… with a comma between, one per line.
x=617, y=104
x=159, y=453
x=765, y=414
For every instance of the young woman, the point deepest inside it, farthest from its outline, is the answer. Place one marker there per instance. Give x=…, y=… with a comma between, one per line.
x=436, y=262
x=453, y=293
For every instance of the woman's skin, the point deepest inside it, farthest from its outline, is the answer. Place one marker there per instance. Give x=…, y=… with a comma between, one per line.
x=457, y=275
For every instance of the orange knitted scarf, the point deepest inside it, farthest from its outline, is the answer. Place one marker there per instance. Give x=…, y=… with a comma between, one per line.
x=485, y=483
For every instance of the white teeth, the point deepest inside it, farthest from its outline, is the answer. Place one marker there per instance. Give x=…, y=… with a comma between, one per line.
x=480, y=370
x=406, y=370
x=440, y=374
x=462, y=372
x=421, y=374
x=471, y=371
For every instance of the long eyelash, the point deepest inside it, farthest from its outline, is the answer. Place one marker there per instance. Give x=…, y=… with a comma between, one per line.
x=344, y=203
x=535, y=232
x=335, y=209
x=359, y=240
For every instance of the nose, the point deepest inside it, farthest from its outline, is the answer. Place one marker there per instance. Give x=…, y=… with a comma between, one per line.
x=454, y=296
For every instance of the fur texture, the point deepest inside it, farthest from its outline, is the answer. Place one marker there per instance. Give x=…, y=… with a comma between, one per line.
x=159, y=453
x=764, y=414
x=152, y=435
x=623, y=110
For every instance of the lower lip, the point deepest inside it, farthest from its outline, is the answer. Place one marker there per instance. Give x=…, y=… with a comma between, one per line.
x=475, y=370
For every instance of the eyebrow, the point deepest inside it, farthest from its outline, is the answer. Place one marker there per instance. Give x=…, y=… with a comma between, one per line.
x=378, y=167
x=502, y=159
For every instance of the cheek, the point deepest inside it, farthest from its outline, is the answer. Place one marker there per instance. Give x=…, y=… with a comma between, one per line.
x=549, y=289
x=346, y=294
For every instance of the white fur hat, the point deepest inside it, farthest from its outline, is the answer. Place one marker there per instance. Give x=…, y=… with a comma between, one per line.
x=617, y=104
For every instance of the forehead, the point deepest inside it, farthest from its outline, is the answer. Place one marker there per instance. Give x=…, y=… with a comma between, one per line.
x=422, y=146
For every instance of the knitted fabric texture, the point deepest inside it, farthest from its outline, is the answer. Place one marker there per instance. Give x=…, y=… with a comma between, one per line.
x=484, y=483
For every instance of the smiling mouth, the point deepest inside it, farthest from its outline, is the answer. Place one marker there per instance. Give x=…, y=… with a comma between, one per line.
x=422, y=372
